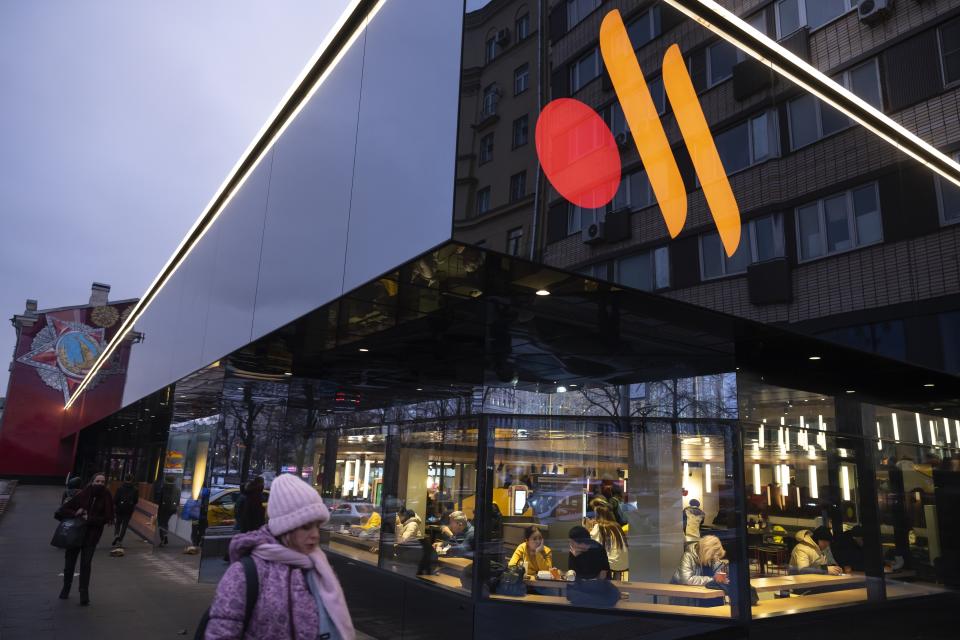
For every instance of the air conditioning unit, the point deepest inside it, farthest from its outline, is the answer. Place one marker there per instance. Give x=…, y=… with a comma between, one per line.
x=593, y=233
x=503, y=36
x=622, y=138
x=873, y=11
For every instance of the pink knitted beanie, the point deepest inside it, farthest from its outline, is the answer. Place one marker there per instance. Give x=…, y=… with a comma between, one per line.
x=293, y=503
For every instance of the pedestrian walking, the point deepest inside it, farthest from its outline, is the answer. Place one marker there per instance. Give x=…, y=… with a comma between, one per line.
x=251, y=514
x=95, y=505
x=299, y=595
x=124, y=504
x=167, y=503
x=73, y=488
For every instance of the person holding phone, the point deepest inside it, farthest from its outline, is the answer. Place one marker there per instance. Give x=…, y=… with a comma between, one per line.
x=702, y=565
x=532, y=554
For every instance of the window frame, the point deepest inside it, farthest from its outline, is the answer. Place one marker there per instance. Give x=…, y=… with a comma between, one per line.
x=845, y=81
x=485, y=153
x=654, y=26
x=525, y=67
x=518, y=178
x=574, y=70
x=490, y=49
x=943, y=63
x=518, y=238
x=485, y=191
x=850, y=5
x=525, y=120
x=490, y=100
x=651, y=255
x=851, y=223
x=580, y=18
x=525, y=19
x=710, y=82
x=754, y=248
x=773, y=141
x=941, y=210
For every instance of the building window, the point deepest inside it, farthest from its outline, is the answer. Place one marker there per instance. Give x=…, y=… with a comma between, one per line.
x=491, y=97
x=748, y=143
x=645, y=27
x=658, y=94
x=839, y=223
x=522, y=27
x=760, y=239
x=577, y=10
x=948, y=195
x=490, y=49
x=486, y=148
x=884, y=338
x=515, y=241
x=950, y=50
x=721, y=57
x=584, y=70
x=521, y=131
x=578, y=218
x=647, y=271
x=521, y=79
x=483, y=201
x=811, y=120
x=950, y=336
x=518, y=186
x=793, y=14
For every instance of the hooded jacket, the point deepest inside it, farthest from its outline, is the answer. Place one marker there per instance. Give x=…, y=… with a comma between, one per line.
x=285, y=606
x=692, y=519
x=126, y=499
x=98, y=505
x=411, y=530
x=807, y=556
x=692, y=572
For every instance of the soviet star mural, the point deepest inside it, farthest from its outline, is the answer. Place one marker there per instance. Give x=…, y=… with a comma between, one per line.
x=63, y=352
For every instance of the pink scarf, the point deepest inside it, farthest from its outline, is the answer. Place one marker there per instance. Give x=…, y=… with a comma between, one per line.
x=330, y=592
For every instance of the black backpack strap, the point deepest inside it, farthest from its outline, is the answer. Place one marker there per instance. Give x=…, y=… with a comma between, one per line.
x=253, y=589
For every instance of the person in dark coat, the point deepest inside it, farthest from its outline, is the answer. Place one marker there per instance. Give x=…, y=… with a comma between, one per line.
x=251, y=514
x=73, y=488
x=124, y=504
x=95, y=505
x=168, y=502
x=847, y=549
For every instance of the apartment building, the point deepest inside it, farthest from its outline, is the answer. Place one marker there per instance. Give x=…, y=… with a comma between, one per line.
x=844, y=237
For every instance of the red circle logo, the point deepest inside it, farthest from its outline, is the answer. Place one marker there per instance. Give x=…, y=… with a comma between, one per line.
x=578, y=153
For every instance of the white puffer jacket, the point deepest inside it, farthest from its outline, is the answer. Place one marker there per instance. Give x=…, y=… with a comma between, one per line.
x=807, y=556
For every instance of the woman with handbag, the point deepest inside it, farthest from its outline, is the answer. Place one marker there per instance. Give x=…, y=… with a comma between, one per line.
x=94, y=505
x=532, y=554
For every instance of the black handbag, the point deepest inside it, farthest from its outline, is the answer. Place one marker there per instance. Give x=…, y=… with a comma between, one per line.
x=511, y=582
x=70, y=533
x=593, y=593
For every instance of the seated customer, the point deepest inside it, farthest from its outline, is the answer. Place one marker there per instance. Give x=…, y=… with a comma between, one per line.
x=847, y=549
x=458, y=536
x=812, y=553
x=409, y=526
x=607, y=532
x=588, y=558
x=532, y=554
x=702, y=565
x=369, y=526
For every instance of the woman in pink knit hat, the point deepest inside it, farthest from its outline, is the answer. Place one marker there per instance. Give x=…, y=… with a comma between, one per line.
x=300, y=597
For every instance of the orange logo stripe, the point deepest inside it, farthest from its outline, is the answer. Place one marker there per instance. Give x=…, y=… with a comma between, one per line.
x=703, y=150
x=641, y=114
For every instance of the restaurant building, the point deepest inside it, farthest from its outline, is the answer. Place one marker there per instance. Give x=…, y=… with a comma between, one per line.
x=341, y=312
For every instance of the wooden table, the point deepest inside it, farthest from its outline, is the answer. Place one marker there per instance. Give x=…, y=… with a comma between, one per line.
x=806, y=581
x=654, y=589
x=627, y=605
x=455, y=562
x=800, y=604
x=445, y=581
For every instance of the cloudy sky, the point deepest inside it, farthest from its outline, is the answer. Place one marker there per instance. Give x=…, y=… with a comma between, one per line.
x=119, y=120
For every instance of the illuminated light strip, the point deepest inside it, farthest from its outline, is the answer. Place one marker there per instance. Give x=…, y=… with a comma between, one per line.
x=645, y=127
x=358, y=11
x=703, y=150
x=808, y=77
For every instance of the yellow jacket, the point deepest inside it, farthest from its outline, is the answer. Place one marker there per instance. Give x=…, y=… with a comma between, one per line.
x=373, y=522
x=541, y=561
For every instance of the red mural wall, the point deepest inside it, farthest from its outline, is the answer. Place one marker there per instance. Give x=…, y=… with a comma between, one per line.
x=54, y=351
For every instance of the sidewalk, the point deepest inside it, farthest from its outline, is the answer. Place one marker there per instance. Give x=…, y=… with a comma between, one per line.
x=149, y=593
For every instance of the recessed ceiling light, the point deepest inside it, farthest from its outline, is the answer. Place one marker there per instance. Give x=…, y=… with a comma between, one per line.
x=561, y=389
x=542, y=292
x=929, y=384
x=814, y=358
x=419, y=388
x=363, y=349
x=850, y=391
x=938, y=409
x=287, y=373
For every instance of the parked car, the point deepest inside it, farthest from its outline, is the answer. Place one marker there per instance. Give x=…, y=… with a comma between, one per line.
x=348, y=513
x=221, y=511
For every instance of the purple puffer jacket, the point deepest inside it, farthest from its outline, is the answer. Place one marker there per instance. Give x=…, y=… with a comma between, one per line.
x=284, y=597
